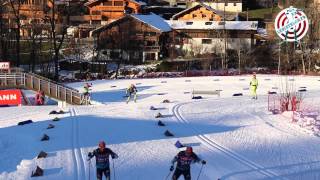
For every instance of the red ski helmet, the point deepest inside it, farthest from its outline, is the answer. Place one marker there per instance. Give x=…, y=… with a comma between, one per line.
x=102, y=144
x=189, y=150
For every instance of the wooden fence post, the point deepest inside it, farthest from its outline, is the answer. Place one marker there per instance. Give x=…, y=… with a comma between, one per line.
x=32, y=85
x=49, y=88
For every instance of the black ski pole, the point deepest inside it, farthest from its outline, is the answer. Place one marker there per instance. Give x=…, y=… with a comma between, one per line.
x=114, y=170
x=200, y=172
x=89, y=168
x=168, y=175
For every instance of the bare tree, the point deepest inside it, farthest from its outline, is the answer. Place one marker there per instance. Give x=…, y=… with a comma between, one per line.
x=3, y=31
x=58, y=32
x=15, y=8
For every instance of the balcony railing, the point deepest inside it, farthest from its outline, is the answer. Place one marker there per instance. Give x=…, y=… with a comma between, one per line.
x=151, y=48
x=85, y=18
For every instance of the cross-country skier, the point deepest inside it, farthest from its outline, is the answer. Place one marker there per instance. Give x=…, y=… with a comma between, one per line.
x=86, y=93
x=132, y=90
x=254, y=86
x=184, y=160
x=102, y=160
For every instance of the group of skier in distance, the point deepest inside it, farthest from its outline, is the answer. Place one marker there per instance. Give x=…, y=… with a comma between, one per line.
x=131, y=91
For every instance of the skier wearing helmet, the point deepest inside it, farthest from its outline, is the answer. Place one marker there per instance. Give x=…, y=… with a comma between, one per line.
x=132, y=90
x=86, y=93
x=102, y=160
x=184, y=160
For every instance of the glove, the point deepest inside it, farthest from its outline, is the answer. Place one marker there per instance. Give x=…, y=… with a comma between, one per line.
x=203, y=162
x=171, y=168
x=90, y=155
x=115, y=156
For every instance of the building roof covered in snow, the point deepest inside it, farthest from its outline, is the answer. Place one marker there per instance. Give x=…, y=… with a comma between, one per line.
x=154, y=21
x=91, y=3
x=151, y=20
x=203, y=25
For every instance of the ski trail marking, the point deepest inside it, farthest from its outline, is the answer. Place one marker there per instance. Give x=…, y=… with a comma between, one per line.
x=215, y=146
x=76, y=150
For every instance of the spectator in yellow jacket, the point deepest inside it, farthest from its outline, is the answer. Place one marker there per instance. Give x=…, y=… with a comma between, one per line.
x=253, y=86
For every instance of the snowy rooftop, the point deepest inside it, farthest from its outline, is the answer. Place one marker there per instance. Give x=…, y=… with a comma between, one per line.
x=151, y=19
x=229, y=25
x=140, y=2
x=154, y=21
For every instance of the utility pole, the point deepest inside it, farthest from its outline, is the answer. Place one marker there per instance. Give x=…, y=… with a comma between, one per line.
x=247, y=14
x=239, y=55
x=279, y=58
x=225, y=37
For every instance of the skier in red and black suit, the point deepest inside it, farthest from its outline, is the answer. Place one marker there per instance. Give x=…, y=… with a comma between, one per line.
x=102, y=160
x=184, y=160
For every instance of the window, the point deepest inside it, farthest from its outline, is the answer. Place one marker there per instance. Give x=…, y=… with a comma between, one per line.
x=208, y=23
x=118, y=3
x=181, y=4
x=136, y=55
x=107, y=3
x=114, y=55
x=206, y=41
x=149, y=43
x=150, y=33
x=96, y=22
x=189, y=23
x=96, y=12
x=104, y=18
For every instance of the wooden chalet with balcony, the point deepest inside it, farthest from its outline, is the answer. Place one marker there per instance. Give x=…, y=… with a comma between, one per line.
x=102, y=12
x=30, y=12
x=199, y=12
x=136, y=38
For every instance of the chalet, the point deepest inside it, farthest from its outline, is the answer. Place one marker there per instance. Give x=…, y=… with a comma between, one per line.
x=102, y=12
x=207, y=37
x=30, y=12
x=136, y=38
x=200, y=12
x=36, y=10
x=234, y=6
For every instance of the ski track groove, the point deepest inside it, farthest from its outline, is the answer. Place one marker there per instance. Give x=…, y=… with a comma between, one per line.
x=212, y=145
x=76, y=150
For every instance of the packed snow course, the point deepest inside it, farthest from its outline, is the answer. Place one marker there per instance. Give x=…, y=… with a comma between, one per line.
x=237, y=136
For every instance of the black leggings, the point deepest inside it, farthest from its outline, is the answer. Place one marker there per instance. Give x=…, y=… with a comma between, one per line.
x=177, y=173
x=105, y=171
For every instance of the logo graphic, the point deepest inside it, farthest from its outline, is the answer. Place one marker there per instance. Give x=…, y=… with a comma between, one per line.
x=10, y=97
x=291, y=24
x=4, y=65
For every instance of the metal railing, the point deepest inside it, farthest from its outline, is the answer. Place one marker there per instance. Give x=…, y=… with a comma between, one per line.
x=38, y=83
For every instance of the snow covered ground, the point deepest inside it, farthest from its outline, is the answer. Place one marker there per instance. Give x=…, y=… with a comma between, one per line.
x=236, y=135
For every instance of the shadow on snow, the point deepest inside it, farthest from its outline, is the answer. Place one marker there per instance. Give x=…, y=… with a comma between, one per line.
x=91, y=130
